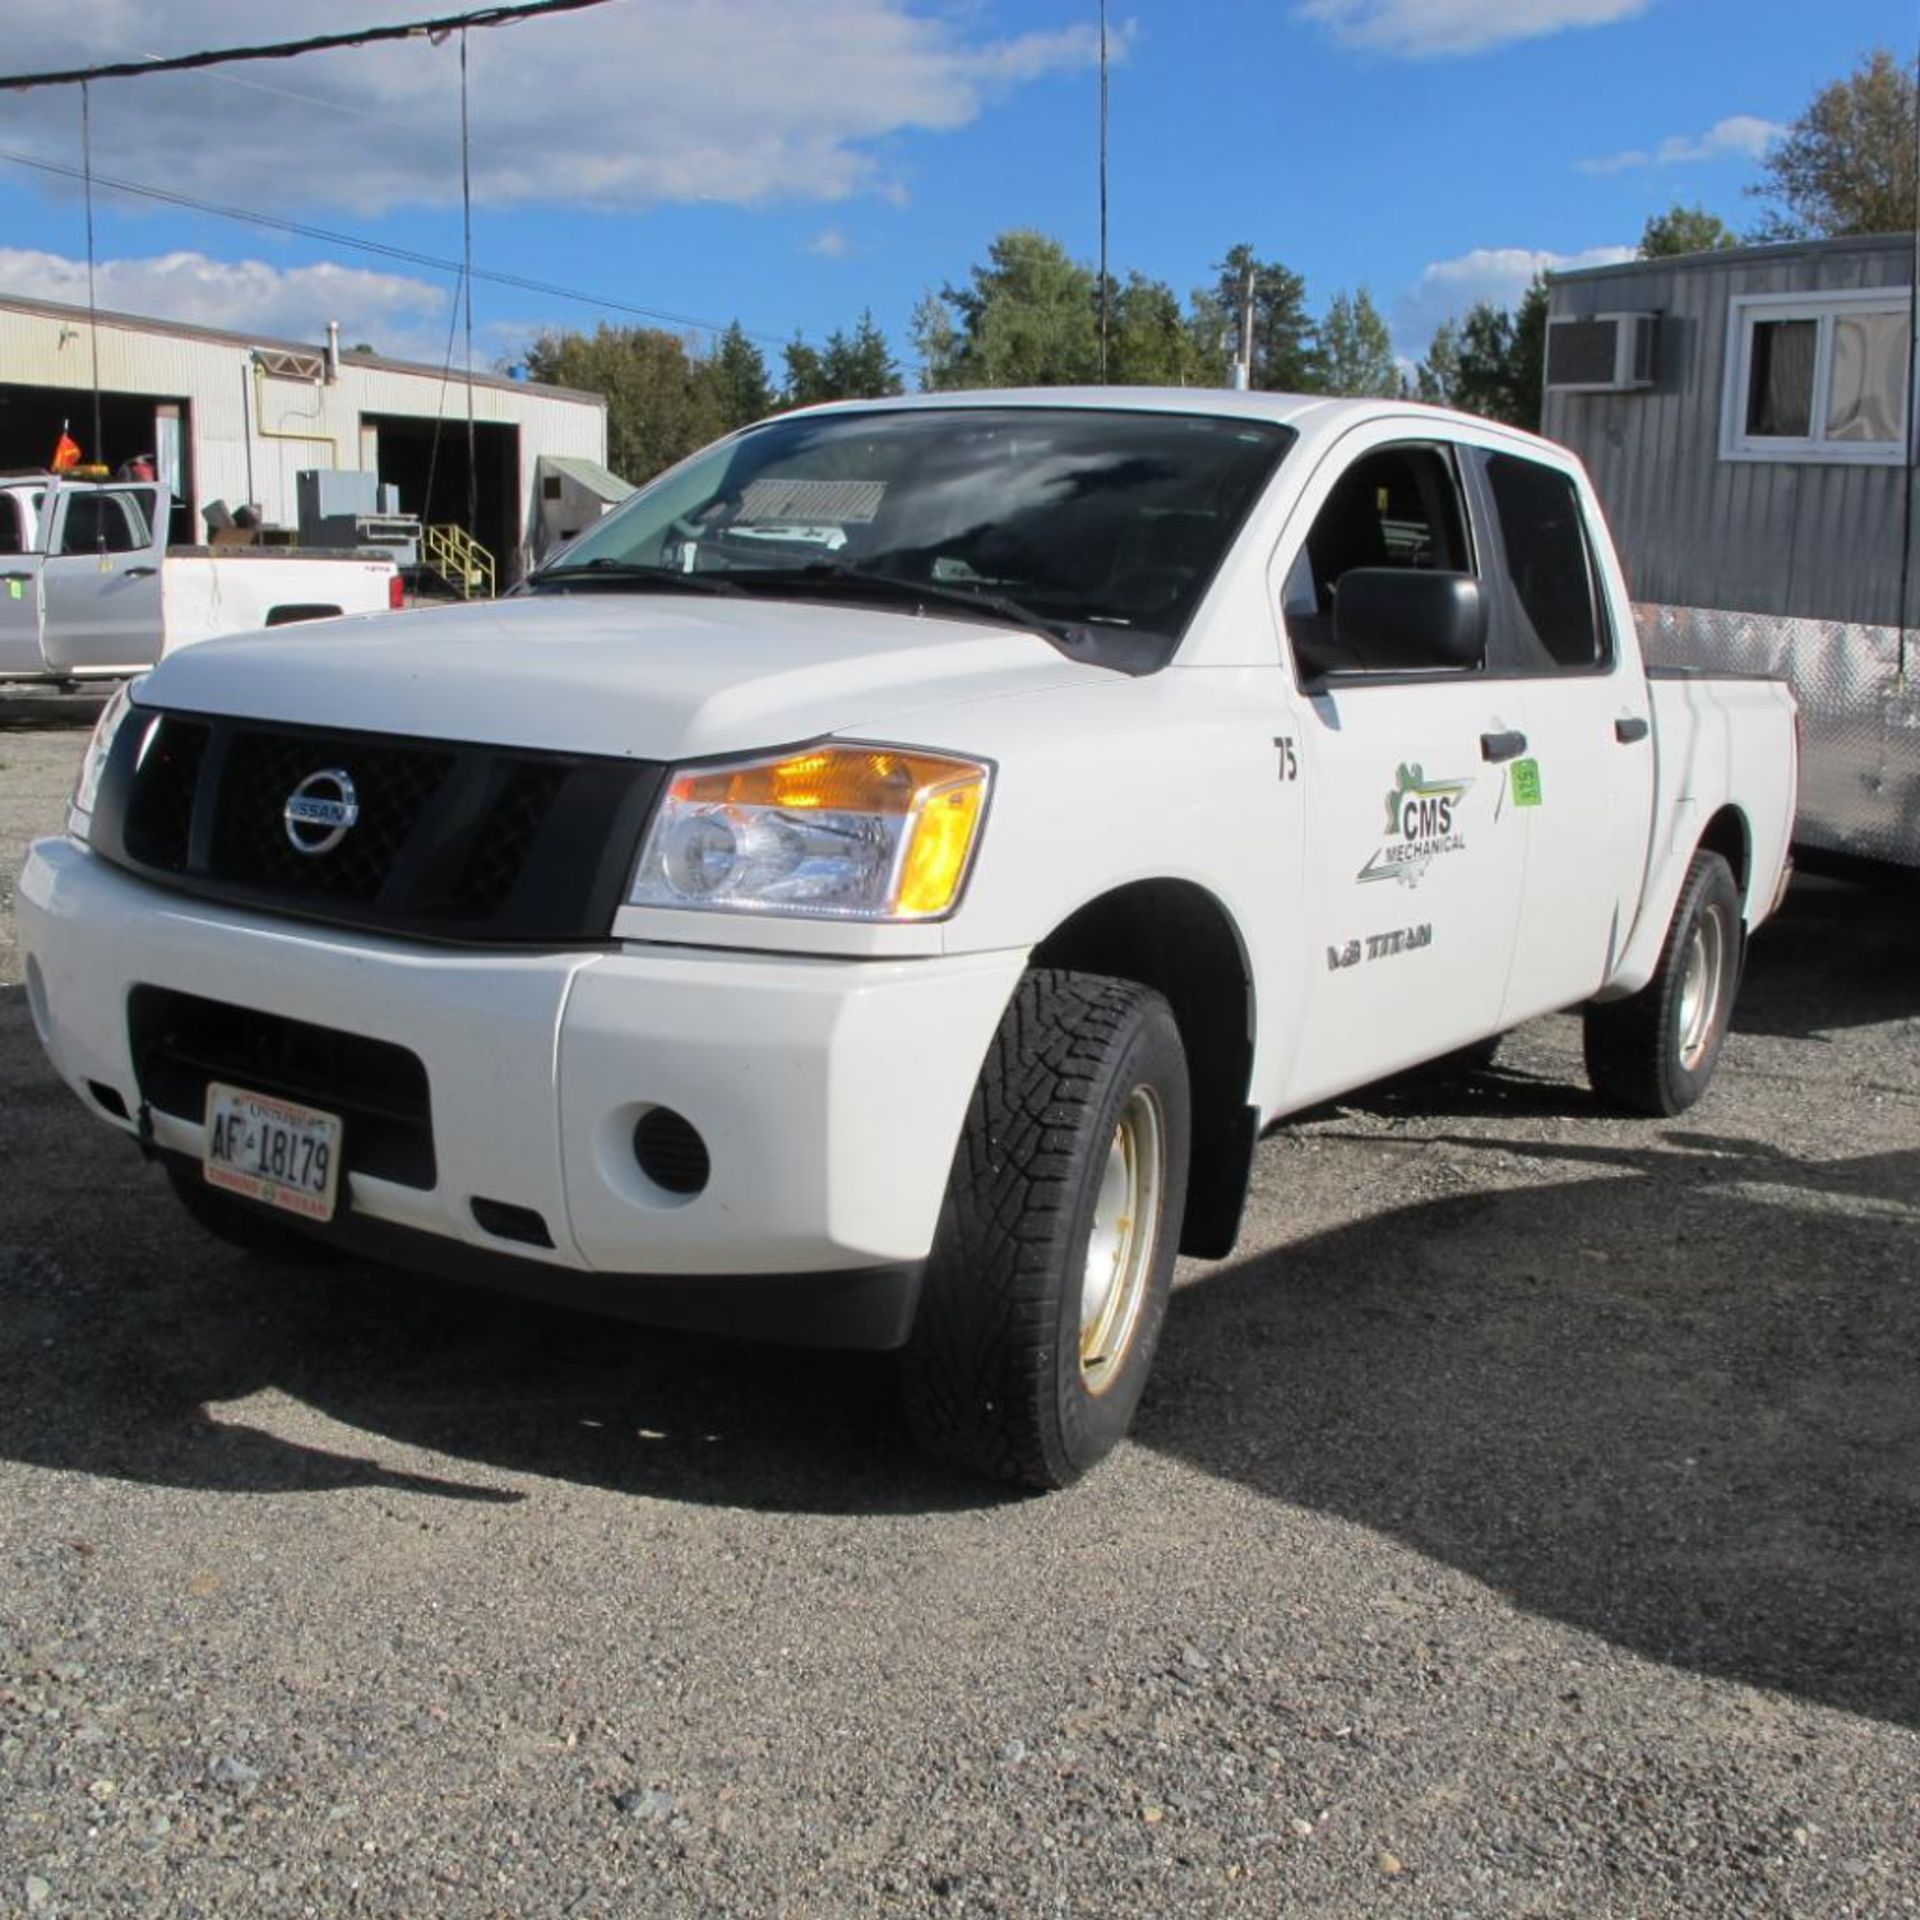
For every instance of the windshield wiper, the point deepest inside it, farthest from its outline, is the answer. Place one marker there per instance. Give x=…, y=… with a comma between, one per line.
x=975, y=600
x=632, y=573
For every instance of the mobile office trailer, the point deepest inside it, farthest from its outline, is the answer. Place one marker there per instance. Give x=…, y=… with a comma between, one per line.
x=1747, y=418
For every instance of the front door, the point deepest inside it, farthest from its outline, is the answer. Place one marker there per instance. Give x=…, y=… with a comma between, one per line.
x=19, y=593
x=1414, y=860
x=101, y=581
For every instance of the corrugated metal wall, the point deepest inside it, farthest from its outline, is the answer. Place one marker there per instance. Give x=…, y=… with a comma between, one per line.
x=252, y=432
x=1694, y=530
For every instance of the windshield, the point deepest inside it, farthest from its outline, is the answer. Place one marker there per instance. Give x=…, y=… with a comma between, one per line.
x=1102, y=518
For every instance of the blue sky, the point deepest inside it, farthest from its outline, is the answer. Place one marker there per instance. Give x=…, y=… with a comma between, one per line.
x=791, y=162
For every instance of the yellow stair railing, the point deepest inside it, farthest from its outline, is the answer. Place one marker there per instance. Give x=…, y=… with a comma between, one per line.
x=460, y=560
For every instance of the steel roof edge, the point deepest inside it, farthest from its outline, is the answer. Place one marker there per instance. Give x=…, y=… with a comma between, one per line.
x=1740, y=256
x=220, y=336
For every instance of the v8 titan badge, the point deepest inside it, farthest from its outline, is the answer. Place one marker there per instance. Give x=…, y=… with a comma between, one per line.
x=1423, y=822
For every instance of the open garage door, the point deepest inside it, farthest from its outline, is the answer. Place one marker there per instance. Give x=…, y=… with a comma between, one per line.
x=427, y=460
x=133, y=427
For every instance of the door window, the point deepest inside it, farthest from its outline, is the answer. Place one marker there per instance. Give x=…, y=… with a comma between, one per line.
x=10, y=536
x=101, y=522
x=1561, y=623
x=1396, y=507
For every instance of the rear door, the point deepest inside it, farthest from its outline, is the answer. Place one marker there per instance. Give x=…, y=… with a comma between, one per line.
x=1414, y=866
x=19, y=592
x=1584, y=783
x=101, y=579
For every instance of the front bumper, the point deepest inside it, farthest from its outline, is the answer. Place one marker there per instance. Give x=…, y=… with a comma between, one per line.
x=830, y=1093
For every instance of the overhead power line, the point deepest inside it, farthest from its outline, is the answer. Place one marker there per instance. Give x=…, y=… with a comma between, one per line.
x=383, y=249
x=497, y=16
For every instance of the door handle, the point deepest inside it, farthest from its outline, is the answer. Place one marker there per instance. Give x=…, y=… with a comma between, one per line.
x=1630, y=729
x=139, y=573
x=16, y=576
x=1502, y=746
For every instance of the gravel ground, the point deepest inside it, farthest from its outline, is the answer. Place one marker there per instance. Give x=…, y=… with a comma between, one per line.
x=1523, y=1523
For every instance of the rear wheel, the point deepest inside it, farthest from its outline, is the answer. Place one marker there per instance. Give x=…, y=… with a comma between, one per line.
x=1049, y=1277
x=1656, y=1051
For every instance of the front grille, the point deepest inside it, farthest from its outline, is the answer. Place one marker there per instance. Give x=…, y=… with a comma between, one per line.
x=450, y=841
x=181, y=1043
x=392, y=786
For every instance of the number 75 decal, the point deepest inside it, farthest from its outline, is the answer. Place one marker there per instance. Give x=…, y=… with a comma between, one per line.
x=1289, y=760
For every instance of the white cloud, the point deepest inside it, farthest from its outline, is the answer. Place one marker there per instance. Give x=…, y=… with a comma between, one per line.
x=619, y=108
x=831, y=243
x=404, y=318
x=1740, y=136
x=1447, y=289
x=1419, y=28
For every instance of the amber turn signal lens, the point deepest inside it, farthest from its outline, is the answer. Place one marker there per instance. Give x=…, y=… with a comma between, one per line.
x=843, y=779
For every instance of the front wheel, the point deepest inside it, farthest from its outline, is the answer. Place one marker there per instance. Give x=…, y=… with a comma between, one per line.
x=1655, y=1051
x=1049, y=1277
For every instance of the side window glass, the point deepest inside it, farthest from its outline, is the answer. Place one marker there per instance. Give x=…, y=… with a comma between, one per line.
x=1549, y=566
x=96, y=521
x=10, y=540
x=1398, y=507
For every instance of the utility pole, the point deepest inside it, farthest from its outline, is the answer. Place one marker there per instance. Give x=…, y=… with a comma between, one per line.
x=1103, y=191
x=1243, y=352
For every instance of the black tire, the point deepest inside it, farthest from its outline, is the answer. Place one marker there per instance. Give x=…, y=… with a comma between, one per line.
x=1080, y=1122
x=252, y=1229
x=1655, y=1052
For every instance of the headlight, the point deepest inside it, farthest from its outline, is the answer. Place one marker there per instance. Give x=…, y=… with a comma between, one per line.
x=94, y=762
x=845, y=832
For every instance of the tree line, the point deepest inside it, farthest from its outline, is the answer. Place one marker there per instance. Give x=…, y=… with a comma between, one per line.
x=1030, y=315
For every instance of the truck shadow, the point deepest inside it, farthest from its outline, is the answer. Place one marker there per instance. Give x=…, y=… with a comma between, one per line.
x=1671, y=1405
x=134, y=1346
x=1837, y=955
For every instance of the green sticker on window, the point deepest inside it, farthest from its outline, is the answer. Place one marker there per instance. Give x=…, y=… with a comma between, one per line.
x=1526, y=783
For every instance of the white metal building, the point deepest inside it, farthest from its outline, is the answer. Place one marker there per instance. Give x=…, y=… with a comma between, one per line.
x=228, y=417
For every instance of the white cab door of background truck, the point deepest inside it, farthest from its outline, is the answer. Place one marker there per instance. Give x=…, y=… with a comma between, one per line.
x=101, y=579
x=19, y=591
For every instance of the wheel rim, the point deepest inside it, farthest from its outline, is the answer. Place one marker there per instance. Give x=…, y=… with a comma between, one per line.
x=1120, y=1247
x=1702, y=986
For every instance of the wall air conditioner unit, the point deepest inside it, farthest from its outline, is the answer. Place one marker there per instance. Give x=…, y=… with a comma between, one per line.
x=1602, y=353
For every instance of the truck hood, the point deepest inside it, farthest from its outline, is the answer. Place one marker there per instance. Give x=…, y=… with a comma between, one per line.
x=648, y=676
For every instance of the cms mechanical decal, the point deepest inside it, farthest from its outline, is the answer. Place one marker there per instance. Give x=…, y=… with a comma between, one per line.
x=1423, y=823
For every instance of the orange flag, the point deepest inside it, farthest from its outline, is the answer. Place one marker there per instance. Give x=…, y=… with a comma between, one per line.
x=66, y=453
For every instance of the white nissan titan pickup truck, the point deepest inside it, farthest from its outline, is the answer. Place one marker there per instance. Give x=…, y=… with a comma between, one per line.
x=876, y=886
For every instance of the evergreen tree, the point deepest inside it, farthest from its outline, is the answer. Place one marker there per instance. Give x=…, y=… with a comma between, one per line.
x=1356, y=350
x=1503, y=359
x=1437, y=379
x=1151, y=342
x=1685, y=230
x=1026, y=318
x=806, y=375
x=860, y=366
x=1485, y=351
x=736, y=377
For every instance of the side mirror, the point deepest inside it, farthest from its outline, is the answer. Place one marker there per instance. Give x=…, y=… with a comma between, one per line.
x=1406, y=620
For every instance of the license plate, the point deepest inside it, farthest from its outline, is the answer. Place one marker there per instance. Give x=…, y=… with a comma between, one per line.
x=272, y=1150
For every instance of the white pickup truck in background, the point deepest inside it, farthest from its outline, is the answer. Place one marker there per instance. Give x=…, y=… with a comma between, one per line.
x=877, y=885
x=89, y=589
